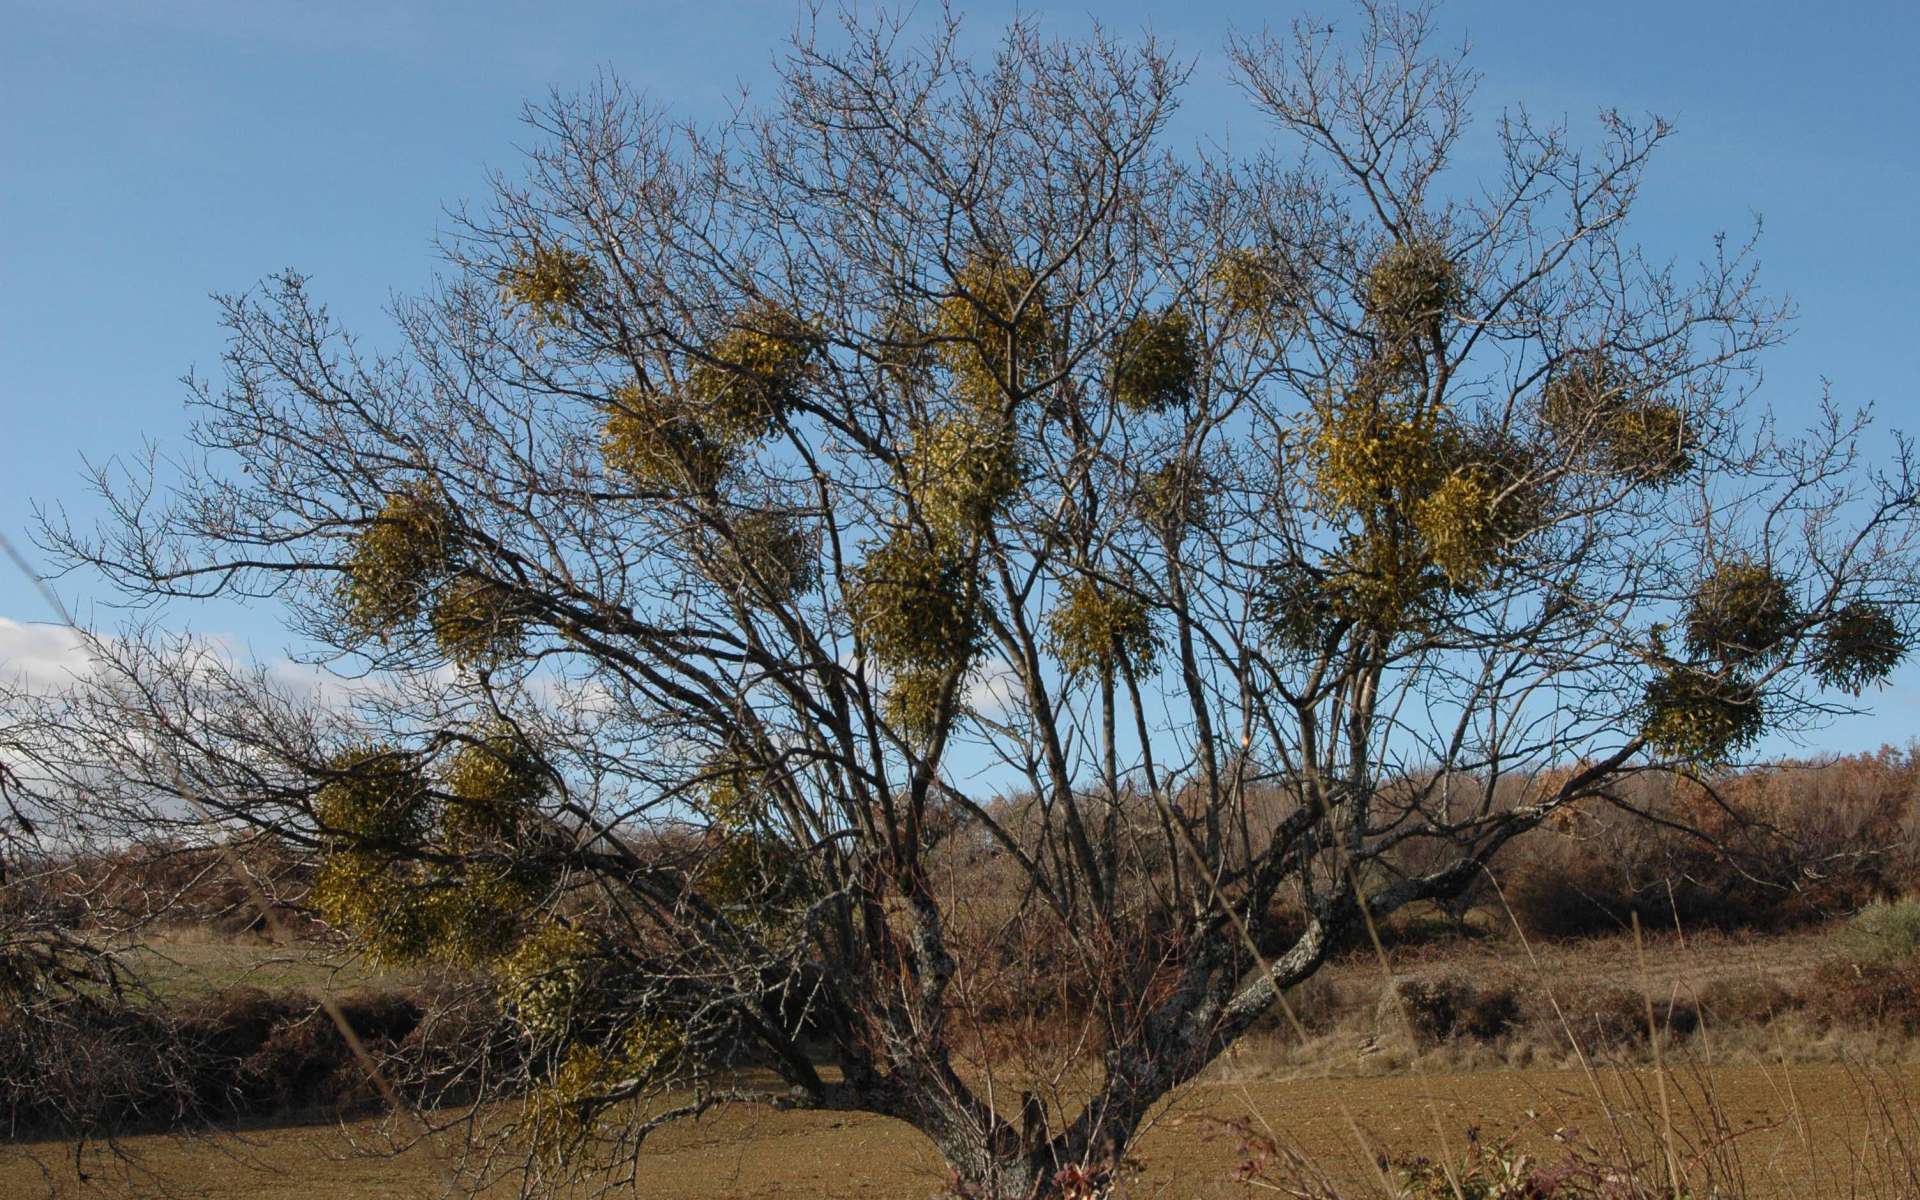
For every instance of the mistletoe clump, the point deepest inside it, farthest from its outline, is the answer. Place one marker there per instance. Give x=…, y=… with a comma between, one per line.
x=1651, y=441
x=914, y=603
x=768, y=554
x=755, y=877
x=1253, y=284
x=963, y=471
x=1458, y=522
x=1172, y=497
x=1096, y=627
x=1296, y=607
x=402, y=914
x=374, y=816
x=1155, y=362
x=1701, y=717
x=591, y=1077
x=1597, y=403
x=548, y=282
x=995, y=318
x=1428, y=491
x=904, y=351
x=554, y=981
x=371, y=810
x=655, y=441
x=1741, y=614
x=397, y=558
x=754, y=374
x=1410, y=288
x=359, y=891
x=491, y=783
x=1380, y=463
x=1472, y=520
x=478, y=915
x=1368, y=453
x=476, y=619
x=912, y=703
x=1858, y=645
x=1382, y=579
x=730, y=793
x=374, y=797
x=745, y=869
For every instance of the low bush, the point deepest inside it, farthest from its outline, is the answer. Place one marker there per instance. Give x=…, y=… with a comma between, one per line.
x=1750, y=1001
x=1884, y=932
x=1882, y=994
x=92, y=1065
x=1612, y=1020
x=1491, y=1013
x=1441, y=1008
x=1429, y=1008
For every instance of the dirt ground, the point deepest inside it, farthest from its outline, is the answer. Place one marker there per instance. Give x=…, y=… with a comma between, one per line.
x=1798, y=1132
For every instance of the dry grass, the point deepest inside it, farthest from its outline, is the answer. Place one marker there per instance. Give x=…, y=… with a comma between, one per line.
x=1549, y=1036
x=182, y=960
x=1796, y=1133
x=1723, y=998
x=1782, y=1086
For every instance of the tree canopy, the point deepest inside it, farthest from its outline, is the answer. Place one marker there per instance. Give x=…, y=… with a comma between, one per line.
x=1280, y=532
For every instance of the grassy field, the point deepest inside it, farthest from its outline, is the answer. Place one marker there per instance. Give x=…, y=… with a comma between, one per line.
x=1786, y=1102
x=183, y=960
x=1796, y=1132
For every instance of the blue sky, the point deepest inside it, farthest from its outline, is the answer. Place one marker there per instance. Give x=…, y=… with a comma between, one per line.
x=151, y=153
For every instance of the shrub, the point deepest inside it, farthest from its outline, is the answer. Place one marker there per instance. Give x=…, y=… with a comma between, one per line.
x=1884, y=932
x=1445, y=1007
x=88, y=1064
x=1431, y=1007
x=1565, y=890
x=1613, y=1019
x=1872, y=993
x=1491, y=1013
x=1730, y=1002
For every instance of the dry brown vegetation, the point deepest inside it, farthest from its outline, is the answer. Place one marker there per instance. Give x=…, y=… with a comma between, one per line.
x=1740, y=958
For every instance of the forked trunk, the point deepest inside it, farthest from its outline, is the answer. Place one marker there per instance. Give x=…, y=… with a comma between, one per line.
x=1024, y=1163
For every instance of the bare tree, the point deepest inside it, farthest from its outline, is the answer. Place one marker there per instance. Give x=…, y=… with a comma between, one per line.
x=744, y=497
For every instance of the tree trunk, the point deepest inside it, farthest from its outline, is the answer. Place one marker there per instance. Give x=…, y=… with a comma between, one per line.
x=1015, y=1161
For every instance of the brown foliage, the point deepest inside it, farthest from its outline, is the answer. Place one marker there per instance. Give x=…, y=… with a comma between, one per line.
x=97, y=1065
x=1883, y=994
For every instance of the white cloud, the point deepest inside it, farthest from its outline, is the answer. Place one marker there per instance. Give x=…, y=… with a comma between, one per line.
x=995, y=691
x=46, y=656
x=40, y=655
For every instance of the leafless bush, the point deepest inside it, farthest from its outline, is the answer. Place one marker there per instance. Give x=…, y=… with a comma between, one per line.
x=1868, y=993
x=93, y=1066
